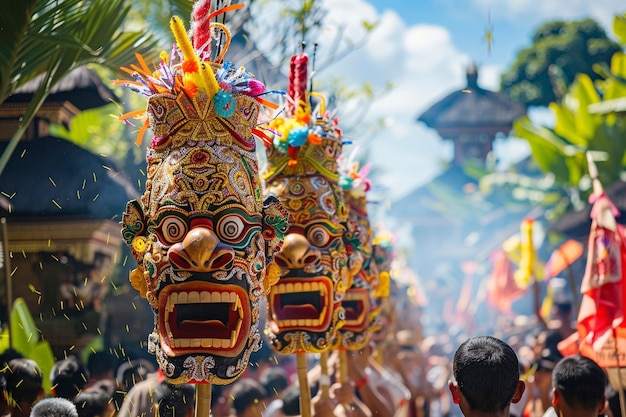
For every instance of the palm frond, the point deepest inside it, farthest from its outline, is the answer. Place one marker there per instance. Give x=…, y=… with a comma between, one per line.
x=53, y=37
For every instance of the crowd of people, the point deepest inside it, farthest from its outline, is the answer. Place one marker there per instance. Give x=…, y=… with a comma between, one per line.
x=400, y=373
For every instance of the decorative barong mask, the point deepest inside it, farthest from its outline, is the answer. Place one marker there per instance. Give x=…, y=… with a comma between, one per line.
x=358, y=301
x=383, y=308
x=202, y=236
x=302, y=171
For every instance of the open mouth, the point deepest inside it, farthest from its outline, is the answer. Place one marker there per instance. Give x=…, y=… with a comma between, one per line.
x=302, y=303
x=203, y=317
x=356, y=303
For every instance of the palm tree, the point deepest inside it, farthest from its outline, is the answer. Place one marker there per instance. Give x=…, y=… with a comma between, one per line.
x=53, y=37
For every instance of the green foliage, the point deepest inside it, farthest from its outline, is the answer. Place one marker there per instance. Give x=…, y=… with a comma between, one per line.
x=52, y=37
x=98, y=130
x=559, y=51
x=619, y=28
x=579, y=128
x=57, y=36
x=24, y=337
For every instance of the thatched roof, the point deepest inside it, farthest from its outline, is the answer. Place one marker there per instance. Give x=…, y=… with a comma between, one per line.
x=53, y=177
x=82, y=87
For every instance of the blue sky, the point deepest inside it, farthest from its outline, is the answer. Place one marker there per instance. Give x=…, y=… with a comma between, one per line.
x=423, y=47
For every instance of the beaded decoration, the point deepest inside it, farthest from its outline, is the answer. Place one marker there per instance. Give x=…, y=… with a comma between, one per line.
x=302, y=171
x=202, y=235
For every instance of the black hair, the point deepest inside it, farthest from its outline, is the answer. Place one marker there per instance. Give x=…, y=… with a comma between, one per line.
x=24, y=381
x=54, y=407
x=175, y=400
x=580, y=381
x=486, y=371
x=100, y=362
x=246, y=392
x=291, y=401
x=68, y=377
x=274, y=380
x=91, y=402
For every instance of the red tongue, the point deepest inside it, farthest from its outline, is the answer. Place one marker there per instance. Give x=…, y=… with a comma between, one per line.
x=210, y=326
x=351, y=314
x=299, y=312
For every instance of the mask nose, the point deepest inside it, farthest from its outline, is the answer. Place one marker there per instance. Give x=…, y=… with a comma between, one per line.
x=201, y=251
x=297, y=252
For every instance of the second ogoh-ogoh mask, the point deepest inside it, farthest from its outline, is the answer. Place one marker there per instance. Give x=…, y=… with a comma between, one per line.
x=201, y=233
x=302, y=172
x=358, y=302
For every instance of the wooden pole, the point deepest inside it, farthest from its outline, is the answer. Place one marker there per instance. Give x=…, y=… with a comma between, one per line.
x=6, y=265
x=203, y=400
x=305, y=393
x=324, y=377
x=343, y=366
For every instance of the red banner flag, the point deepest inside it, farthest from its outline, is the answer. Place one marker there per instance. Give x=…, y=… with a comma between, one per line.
x=502, y=290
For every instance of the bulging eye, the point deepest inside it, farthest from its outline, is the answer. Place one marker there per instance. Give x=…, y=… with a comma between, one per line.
x=318, y=236
x=172, y=230
x=230, y=228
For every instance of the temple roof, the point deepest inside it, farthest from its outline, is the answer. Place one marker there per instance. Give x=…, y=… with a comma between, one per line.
x=81, y=86
x=472, y=109
x=52, y=177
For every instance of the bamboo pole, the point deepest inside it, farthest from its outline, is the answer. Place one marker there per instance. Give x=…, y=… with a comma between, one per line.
x=305, y=393
x=7, y=275
x=203, y=400
x=324, y=377
x=343, y=366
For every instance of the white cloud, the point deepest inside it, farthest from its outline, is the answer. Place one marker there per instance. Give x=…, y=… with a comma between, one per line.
x=423, y=64
x=539, y=11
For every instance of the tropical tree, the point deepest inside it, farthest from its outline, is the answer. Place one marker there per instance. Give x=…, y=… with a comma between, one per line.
x=559, y=52
x=51, y=38
x=588, y=118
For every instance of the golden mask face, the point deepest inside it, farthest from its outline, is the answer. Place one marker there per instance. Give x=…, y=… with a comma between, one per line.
x=383, y=305
x=202, y=237
x=305, y=306
x=359, y=302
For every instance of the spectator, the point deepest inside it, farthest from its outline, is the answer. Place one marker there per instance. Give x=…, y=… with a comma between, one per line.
x=274, y=380
x=54, y=407
x=485, y=377
x=578, y=388
x=140, y=400
x=68, y=377
x=96, y=401
x=24, y=386
x=176, y=400
x=100, y=365
x=247, y=398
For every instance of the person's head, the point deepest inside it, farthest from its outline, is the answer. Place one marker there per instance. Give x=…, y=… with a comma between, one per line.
x=131, y=372
x=291, y=401
x=96, y=401
x=101, y=365
x=578, y=384
x=24, y=387
x=247, y=397
x=176, y=400
x=486, y=376
x=274, y=380
x=68, y=377
x=54, y=407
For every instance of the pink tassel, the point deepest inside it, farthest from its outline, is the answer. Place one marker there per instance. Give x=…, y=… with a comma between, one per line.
x=201, y=26
x=298, y=77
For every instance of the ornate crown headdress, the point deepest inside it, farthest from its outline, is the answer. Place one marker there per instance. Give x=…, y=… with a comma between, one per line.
x=297, y=140
x=204, y=89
